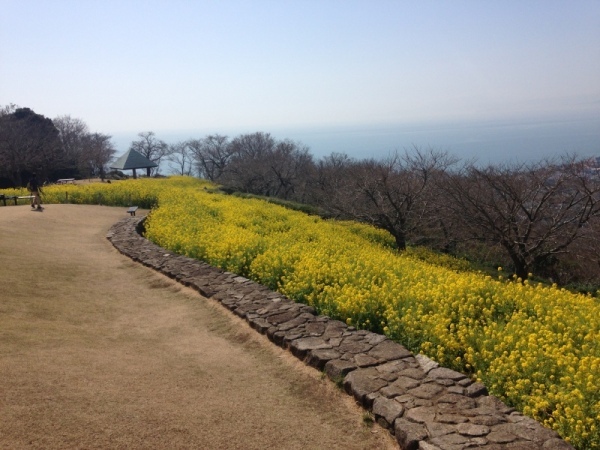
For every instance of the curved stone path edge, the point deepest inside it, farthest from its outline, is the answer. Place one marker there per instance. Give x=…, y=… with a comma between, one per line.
x=424, y=406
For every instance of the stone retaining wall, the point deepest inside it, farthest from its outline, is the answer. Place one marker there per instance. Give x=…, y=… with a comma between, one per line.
x=424, y=406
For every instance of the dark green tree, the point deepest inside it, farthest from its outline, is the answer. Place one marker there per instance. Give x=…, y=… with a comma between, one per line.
x=29, y=142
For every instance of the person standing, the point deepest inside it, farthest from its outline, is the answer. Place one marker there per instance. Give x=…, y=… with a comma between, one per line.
x=35, y=190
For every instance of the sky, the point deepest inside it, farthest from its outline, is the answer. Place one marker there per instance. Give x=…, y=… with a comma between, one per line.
x=334, y=74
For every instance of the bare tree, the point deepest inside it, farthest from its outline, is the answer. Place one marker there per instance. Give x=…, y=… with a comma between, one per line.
x=150, y=147
x=97, y=153
x=396, y=194
x=181, y=157
x=259, y=164
x=534, y=211
x=330, y=174
x=8, y=109
x=74, y=136
x=249, y=167
x=291, y=165
x=580, y=266
x=211, y=155
x=72, y=133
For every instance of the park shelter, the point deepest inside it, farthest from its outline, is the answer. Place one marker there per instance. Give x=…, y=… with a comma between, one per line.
x=133, y=160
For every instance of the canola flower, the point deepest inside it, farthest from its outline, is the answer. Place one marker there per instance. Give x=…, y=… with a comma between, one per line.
x=142, y=192
x=537, y=347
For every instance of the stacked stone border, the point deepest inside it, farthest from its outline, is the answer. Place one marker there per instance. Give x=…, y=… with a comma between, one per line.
x=424, y=406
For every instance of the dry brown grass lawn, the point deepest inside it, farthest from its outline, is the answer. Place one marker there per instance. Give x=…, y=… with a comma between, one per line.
x=97, y=351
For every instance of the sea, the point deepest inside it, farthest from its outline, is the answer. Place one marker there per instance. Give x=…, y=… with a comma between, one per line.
x=482, y=142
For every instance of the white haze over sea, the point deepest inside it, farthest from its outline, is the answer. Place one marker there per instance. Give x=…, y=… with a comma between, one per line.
x=491, y=142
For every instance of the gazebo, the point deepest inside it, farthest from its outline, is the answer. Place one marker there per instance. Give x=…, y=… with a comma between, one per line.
x=133, y=160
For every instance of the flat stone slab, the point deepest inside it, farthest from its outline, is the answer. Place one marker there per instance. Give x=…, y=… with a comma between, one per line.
x=389, y=351
x=362, y=382
x=388, y=410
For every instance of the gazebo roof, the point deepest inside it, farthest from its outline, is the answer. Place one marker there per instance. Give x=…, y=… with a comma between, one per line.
x=132, y=160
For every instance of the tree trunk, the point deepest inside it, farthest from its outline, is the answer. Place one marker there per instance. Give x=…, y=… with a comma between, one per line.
x=520, y=264
x=400, y=238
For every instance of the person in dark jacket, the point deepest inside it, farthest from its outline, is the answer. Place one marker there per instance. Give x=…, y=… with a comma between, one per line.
x=35, y=190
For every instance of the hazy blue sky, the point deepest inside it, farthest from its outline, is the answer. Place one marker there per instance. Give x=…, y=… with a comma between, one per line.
x=202, y=67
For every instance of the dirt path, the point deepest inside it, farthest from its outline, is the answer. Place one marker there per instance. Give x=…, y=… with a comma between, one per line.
x=97, y=351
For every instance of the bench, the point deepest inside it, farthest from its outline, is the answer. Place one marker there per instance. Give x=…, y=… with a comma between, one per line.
x=66, y=180
x=132, y=210
x=14, y=198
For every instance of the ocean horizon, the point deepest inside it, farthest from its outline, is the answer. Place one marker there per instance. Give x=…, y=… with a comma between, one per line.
x=484, y=142
x=490, y=142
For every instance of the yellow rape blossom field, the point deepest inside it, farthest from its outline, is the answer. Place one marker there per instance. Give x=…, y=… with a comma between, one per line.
x=536, y=347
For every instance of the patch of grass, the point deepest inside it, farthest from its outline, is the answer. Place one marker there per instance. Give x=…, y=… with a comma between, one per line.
x=296, y=206
x=339, y=382
x=592, y=289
